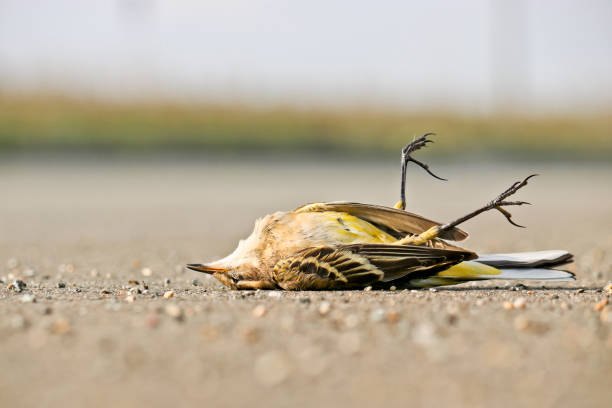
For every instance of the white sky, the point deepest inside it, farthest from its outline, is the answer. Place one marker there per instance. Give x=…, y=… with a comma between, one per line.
x=470, y=55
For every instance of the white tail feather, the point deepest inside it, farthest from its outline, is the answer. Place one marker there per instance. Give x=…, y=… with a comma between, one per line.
x=533, y=274
x=526, y=259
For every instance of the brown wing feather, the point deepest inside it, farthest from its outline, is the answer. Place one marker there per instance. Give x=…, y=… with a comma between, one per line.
x=360, y=265
x=402, y=222
x=397, y=261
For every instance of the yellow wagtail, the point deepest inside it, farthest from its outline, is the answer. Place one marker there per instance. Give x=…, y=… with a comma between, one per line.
x=343, y=245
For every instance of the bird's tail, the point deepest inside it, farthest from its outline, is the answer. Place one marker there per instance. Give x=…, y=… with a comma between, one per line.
x=533, y=266
x=537, y=259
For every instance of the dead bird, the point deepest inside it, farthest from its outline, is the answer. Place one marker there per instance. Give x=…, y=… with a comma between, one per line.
x=343, y=245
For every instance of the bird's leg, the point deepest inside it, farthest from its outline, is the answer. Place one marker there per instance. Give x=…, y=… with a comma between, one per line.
x=406, y=158
x=496, y=204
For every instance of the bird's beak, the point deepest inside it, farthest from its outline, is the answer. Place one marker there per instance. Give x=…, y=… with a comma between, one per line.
x=206, y=269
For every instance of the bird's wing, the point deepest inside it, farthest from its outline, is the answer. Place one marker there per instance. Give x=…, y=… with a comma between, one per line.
x=398, y=261
x=399, y=221
x=360, y=265
x=325, y=268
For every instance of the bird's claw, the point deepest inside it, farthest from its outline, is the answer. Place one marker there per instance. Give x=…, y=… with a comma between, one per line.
x=499, y=202
x=414, y=146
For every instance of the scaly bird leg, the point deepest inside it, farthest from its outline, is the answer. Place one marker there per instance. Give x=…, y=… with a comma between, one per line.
x=496, y=204
x=406, y=158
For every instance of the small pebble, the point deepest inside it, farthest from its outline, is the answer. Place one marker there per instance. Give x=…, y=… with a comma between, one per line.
x=259, y=311
x=195, y=282
x=600, y=305
x=174, y=310
x=251, y=335
x=146, y=272
x=168, y=294
x=608, y=288
x=349, y=343
x=377, y=315
x=133, y=282
x=152, y=320
x=18, y=285
x=209, y=333
x=606, y=315
x=433, y=289
x=60, y=326
x=93, y=273
x=367, y=288
x=287, y=324
x=508, y=305
x=393, y=288
x=393, y=317
x=12, y=263
x=452, y=309
x=313, y=361
x=351, y=321
x=324, y=308
x=521, y=323
x=424, y=334
x=61, y=285
x=520, y=303
x=130, y=299
x=18, y=322
x=580, y=290
x=166, y=282
x=271, y=368
x=275, y=294
x=28, y=298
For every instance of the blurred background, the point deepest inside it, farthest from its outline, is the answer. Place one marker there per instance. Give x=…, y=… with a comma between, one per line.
x=137, y=136
x=506, y=78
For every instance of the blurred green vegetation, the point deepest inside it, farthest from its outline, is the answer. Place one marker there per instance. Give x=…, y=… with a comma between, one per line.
x=59, y=123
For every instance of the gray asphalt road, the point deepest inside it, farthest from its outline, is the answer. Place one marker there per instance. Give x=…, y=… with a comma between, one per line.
x=101, y=339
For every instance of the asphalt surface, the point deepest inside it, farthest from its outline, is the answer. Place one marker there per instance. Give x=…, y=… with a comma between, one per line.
x=109, y=316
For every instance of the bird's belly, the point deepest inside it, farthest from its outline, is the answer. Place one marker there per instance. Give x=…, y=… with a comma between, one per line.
x=336, y=228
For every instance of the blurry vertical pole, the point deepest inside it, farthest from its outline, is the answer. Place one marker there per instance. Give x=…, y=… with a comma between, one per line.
x=509, y=42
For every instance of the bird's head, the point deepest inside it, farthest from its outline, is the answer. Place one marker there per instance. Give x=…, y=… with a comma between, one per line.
x=244, y=264
x=226, y=273
x=234, y=268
